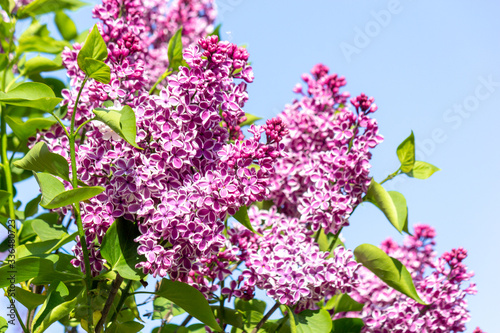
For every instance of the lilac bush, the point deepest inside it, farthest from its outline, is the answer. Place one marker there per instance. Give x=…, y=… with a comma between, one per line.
x=145, y=154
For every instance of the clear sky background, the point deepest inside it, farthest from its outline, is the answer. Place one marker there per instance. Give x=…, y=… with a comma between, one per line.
x=434, y=68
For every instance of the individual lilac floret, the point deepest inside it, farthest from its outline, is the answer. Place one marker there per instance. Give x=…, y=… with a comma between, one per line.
x=325, y=171
x=287, y=263
x=439, y=283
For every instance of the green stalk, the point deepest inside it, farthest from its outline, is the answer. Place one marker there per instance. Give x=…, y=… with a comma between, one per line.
x=78, y=217
x=391, y=176
x=3, y=139
x=161, y=78
x=221, y=309
x=23, y=327
x=7, y=171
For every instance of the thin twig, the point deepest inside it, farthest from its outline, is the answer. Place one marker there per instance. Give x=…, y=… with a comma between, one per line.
x=107, y=306
x=124, y=296
x=266, y=317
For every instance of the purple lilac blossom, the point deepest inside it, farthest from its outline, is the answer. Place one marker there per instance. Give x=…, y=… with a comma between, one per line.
x=287, y=263
x=189, y=177
x=440, y=283
x=326, y=168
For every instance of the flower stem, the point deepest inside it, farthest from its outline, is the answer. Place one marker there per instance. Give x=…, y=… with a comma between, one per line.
x=78, y=217
x=161, y=78
x=391, y=176
x=6, y=168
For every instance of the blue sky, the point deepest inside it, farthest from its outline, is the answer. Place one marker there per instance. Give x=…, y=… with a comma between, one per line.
x=434, y=68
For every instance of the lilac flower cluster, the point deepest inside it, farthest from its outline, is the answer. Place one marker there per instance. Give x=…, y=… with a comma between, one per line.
x=188, y=177
x=287, y=263
x=326, y=169
x=163, y=18
x=387, y=310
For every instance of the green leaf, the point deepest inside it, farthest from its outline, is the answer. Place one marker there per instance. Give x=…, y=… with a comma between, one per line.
x=28, y=299
x=97, y=70
x=230, y=316
x=242, y=216
x=65, y=25
x=121, y=121
x=120, y=250
x=190, y=299
x=392, y=204
x=41, y=64
x=402, y=209
x=6, y=7
x=82, y=36
x=292, y=320
x=406, y=153
x=252, y=311
x=309, y=321
x=4, y=197
x=126, y=327
x=250, y=120
x=251, y=305
x=3, y=325
x=32, y=207
x=24, y=269
x=343, y=303
x=422, y=170
x=54, y=195
x=31, y=94
x=62, y=269
x=40, y=159
x=4, y=61
x=43, y=247
x=44, y=44
x=216, y=31
x=161, y=306
x=26, y=129
x=39, y=7
x=46, y=231
x=175, y=50
x=54, y=308
x=94, y=48
x=388, y=269
x=347, y=325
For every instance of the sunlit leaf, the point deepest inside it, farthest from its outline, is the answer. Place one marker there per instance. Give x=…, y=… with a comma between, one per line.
x=65, y=25
x=175, y=50
x=39, y=7
x=190, y=299
x=388, y=269
x=55, y=196
x=392, y=204
x=31, y=94
x=122, y=122
x=422, y=170
x=406, y=153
